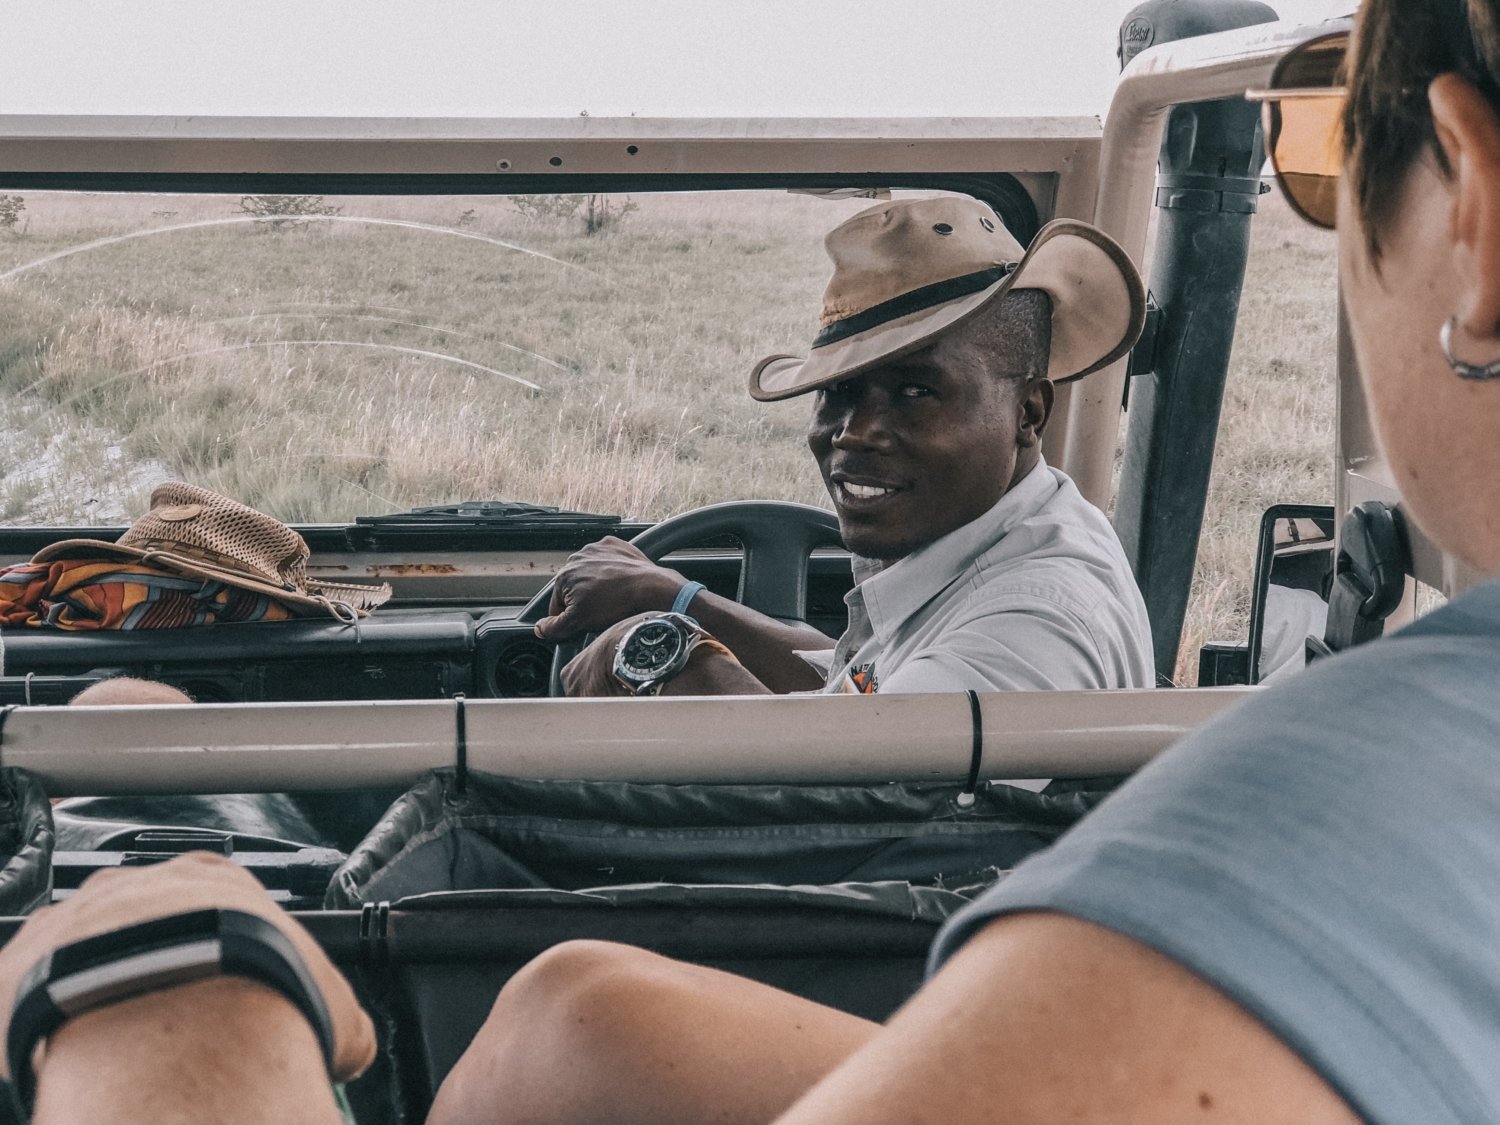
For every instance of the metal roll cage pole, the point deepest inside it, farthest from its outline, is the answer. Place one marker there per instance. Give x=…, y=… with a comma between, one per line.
x=280, y=747
x=1200, y=69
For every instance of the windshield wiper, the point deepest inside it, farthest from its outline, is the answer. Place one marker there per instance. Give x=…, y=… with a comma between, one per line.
x=502, y=520
x=485, y=513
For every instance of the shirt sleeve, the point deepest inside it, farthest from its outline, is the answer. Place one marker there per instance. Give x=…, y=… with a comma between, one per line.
x=1029, y=644
x=1325, y=854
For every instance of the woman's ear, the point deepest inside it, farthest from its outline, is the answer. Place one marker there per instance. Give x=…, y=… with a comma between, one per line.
x=1468, y=131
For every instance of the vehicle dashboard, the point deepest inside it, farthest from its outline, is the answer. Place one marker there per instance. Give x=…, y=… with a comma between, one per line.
x=451, y=628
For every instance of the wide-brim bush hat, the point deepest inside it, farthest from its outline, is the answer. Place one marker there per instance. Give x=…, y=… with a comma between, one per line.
x=199, y=533
x=907, y=270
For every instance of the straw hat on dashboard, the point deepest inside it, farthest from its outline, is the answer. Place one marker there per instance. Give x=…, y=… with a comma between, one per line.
x=199, y=533
x=906, y=270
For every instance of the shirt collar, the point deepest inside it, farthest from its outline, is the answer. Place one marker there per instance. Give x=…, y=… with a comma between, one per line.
x=893, y=592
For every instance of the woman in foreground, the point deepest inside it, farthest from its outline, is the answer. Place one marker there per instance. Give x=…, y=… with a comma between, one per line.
x=1290, y=917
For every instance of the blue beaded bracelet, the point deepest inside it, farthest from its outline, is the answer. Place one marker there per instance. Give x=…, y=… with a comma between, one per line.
x=685, y=596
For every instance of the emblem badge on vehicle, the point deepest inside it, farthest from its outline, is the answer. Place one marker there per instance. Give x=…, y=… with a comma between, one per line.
x=1138, y=33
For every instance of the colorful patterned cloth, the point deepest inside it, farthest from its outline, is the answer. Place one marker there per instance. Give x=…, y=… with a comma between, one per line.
x=82, y=595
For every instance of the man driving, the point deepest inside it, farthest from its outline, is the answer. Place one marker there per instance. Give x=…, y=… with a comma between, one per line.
x=976, y=565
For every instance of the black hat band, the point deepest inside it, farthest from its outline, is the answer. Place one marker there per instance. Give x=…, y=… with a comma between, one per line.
x=928, y=296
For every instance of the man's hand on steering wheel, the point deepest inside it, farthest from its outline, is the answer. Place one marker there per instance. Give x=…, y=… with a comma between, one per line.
x=764, y=625
x=603, y=584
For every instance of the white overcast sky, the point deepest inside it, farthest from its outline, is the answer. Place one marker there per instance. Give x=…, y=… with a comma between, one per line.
x=493, y=58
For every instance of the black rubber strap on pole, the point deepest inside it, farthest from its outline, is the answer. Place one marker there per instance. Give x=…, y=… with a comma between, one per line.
x=976, y=750
x=461, y=746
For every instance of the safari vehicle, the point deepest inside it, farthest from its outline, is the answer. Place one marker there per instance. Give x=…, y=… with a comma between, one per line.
x=399, y=302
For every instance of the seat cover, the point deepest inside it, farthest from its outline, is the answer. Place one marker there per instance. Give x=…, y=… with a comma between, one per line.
x=505, y=833
x=26, y=843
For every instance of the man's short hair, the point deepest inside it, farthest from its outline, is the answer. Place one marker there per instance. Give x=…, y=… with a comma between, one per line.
x=1014, y=334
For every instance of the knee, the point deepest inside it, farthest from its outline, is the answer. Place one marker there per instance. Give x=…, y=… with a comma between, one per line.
x=583, y=985
x=557, y=1040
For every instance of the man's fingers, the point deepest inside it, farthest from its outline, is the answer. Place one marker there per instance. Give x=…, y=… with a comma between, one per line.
x=559, y=601
x=559, y=627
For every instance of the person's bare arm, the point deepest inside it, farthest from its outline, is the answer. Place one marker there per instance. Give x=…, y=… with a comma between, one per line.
x=1045, y=1018
x=217, y=1050
x=610, y=581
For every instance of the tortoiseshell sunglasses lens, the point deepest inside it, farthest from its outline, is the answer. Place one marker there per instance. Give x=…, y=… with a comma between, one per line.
x=1303, y=114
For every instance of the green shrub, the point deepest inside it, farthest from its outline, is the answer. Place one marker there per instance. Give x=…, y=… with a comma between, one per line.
x=599, y=215
x=548, y=208
x=11, y=207
x=279, y=212
x=596, y=211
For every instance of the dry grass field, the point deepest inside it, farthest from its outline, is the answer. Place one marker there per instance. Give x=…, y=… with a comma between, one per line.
x=1276, y=435
x=411, y=352
x=282, y=366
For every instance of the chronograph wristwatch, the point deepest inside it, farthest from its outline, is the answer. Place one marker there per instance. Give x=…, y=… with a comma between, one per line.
x=655, y=649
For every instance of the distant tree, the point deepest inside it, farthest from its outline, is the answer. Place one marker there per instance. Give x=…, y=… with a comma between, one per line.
x=597, y=212
x=554, y=208
x=11, y=207
x=279, y=212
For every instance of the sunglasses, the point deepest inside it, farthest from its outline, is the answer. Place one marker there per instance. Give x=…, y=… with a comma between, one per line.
x=1302, y=112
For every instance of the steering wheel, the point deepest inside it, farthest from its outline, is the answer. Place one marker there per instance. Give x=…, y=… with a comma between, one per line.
x=777, y=537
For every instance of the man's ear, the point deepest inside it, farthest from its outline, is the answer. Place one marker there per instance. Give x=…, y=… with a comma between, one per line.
x=1468, y=130
x=1035, y=409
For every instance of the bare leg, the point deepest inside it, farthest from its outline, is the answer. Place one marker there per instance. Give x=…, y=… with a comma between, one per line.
x=595, y=1032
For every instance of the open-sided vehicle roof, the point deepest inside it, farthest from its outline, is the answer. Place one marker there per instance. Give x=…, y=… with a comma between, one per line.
x=1053, y=165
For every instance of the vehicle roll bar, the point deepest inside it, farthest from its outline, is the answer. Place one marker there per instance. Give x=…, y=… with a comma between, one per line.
x=1200, y=69
x=274, y=747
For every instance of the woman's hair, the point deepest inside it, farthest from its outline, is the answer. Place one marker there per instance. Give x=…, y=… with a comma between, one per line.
x=1400, y=47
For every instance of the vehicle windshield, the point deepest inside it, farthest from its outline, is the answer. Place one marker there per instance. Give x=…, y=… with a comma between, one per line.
x=322, y=358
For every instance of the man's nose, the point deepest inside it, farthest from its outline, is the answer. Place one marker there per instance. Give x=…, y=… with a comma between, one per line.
x=863, y=425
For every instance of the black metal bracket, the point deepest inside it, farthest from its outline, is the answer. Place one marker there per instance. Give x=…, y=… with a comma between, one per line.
x=1369, y=578
x=1238, y=195
x=1143, y=356
x=460, y=745
x=374, y=931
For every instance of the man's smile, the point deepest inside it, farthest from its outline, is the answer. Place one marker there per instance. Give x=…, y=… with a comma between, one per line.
x=862, y=493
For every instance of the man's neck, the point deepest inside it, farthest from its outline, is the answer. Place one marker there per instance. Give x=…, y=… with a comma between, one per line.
x=1026, y=461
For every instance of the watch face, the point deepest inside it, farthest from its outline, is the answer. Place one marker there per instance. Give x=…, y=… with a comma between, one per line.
x=653, y=648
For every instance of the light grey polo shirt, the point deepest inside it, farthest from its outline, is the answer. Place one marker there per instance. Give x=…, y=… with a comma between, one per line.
x=1033, y=595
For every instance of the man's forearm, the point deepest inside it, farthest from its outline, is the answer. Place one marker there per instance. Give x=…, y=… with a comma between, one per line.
x=765, y=646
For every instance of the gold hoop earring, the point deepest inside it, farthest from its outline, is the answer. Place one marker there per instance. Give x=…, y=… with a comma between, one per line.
x=1474, y=373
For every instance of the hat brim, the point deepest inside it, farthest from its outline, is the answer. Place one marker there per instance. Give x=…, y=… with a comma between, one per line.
x=1098, y=311
x=315, y=602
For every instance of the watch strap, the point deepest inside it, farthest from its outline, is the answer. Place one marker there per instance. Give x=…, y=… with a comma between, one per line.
x=148, y=957
x=699, y=640
x=686, y=595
